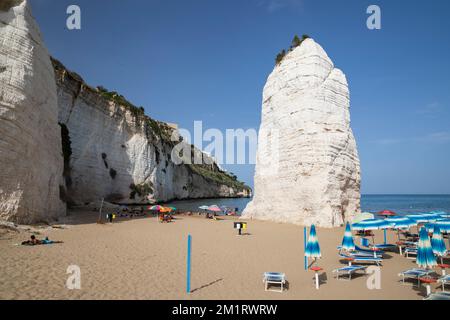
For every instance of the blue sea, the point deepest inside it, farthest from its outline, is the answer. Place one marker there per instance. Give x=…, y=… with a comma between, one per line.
x=401, y=204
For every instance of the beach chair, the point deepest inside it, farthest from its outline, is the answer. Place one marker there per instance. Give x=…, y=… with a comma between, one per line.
x=414, y=274
x=276, y=278
x=348, y=270
x=438, y=296
x=364, y=253
x=386, y=246
x=444, y=280
x=361, y=259
x=410, y=253
x=359, y=249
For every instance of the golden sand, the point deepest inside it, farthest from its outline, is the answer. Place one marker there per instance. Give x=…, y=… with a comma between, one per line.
x=144, y=259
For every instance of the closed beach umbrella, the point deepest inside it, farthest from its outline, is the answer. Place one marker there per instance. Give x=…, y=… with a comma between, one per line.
x=371, y=224
x=425, y=255
x=401, y=222
x=347, y=242
x=363, y=216
x=437, y=243
x=312, y=246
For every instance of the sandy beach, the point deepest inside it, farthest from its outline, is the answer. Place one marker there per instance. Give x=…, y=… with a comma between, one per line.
x=143, y=259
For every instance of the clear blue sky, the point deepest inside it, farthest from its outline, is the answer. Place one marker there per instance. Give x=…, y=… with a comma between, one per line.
x=208, y=60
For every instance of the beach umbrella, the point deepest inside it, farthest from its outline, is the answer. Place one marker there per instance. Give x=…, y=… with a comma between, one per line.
x=371, y=224
x=424, y=217
x=155, y=208
x=312, y=246
x=444, y=226
x=165, y=210
x=363, y=216
x=203, y=207
x=425, y=256
x=401, y=222
x=437, y=243
x=214, y=208
x=387, y=213
x=347, y=242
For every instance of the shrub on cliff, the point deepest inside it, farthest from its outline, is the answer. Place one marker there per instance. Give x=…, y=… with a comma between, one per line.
x=296, y=41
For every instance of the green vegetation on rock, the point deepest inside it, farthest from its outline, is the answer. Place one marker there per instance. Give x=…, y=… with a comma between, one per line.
x=296, y=41
x=141, y=190
x=219, y=177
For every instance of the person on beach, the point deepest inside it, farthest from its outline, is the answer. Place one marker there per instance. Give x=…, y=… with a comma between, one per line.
x=34, y=241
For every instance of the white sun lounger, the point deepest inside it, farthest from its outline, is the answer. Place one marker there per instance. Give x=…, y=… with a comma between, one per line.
x=362, y=259
x=414, y=274
x=348, y=270
x=438, y=296
x=276, y=278
x=410, y=253
x=444, y=280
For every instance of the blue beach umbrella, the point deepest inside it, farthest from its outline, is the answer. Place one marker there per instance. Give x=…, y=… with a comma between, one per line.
x=425, y=255
x=312, y=246
x=347, y=242
x=444, y=226
x=437, y=243
x=371, y=224
x=424, y=217
x=401, y=222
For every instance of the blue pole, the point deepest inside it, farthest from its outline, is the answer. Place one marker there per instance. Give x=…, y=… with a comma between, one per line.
x=304, y=248
x=385, y=240
x=188, y=273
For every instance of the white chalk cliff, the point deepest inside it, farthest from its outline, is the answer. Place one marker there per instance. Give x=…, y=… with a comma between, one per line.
x=120, y=154
x=65, y=143
x=307, y=168
x=30, y=141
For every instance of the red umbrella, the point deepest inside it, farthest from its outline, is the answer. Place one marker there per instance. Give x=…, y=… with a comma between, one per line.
x=387, y=213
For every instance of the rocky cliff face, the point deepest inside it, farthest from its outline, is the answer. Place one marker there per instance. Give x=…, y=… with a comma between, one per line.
x=114, y=151
x=313, y=175
x=30, y=142
x=63, y=142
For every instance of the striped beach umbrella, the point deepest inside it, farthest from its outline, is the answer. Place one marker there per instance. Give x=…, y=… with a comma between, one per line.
x=155, y=208
x=444, y=226
x=401, y=222
x=371, y=224
x=347, y=242
x=437, y=243
x=312, y=246
x=425, y=256
x=424, y=217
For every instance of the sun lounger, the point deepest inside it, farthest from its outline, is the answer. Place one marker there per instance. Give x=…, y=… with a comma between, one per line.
x=414, y=274
x=361, y=259
x=276, y=278
x=438, y=296
x=444, y=280
x=387, y=246
x=348, y=270
x=380, y=252
x=410, y=252
x=365, y=253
